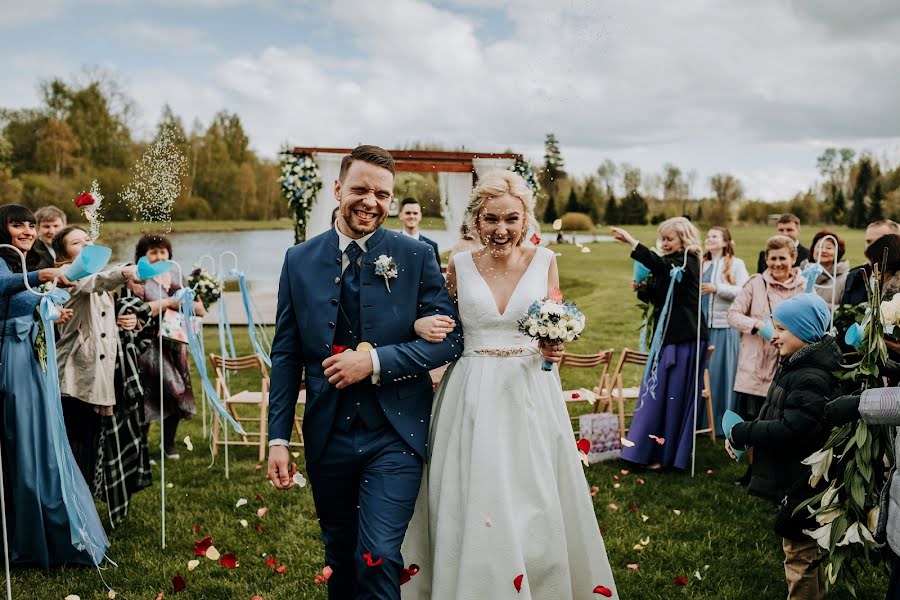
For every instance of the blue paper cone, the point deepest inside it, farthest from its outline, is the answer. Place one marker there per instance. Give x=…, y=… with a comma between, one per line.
x=854, y=336
x=729, y=420
x=767, y=331
x=90, y=260
x=148, y=270
x=640, y=272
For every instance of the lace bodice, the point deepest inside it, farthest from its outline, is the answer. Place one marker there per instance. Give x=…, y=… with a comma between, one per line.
x=483, y=325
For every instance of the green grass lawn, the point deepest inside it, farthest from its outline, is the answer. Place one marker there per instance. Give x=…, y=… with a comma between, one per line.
x=719, y=525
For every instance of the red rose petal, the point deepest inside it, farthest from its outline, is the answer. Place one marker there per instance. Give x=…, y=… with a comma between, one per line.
x=517, y=582
x=371, y=563
x=584, y=445
x=407, y=574
x=196, y=527
x=556, y=295
x=202, y=546
x=575, y=395
x=657, y=439
x=615, y=477
x=84, y=199
x=681, y=581
x=319, y=580
x=327, y=572
x=261, y=512
x=271, y=561
x=535, y=239
x=160, y=596
x=256, y=598
x=280, y=569
x=634, y=507
x=229, y=560
x=178, y=584
x=259, y=467
x=603, y=591
x=259, y=528
x=337, y=349
x=258, y=497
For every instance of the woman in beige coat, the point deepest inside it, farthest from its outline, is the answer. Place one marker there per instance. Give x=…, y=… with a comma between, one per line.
x=86, y=350
x=750, y=314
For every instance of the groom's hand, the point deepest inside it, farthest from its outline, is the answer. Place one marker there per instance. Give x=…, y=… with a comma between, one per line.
x=348, y=367
x=280, y=472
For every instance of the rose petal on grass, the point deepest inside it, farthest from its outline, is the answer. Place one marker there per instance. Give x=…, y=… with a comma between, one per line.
x=639, y=481
x=212, y=553
x=615, y=477
x=243, y=522
x=299, y=480
x=612, y=506
x=634, y=507
x=261, y=512
x=677, y=512
x=259, y=467
x=638, y=547
x=202, y=547
x=645, y=518
x=295, y=454
x=584, y=445
x=111, y=594
x=698, y=576
x=603, y=591
x=328, y=571
x=196, y=527
x=188, y=444
x=229, y=560
x=594, y=488
x=271, y=561
x=370, y=562
x=260, y=498
x=645, y=541
x=633, y=566
x=178, y=584
x=517, y=582
x=73, y=597
x=193, y=564
x=241, y=502
x=709, y=471
x=259, y=528
x=170, y=485
x=160, y=596
x=319, y=580
x=681, y=581
x=617, y=485
x=256, y=598
x=585, y=250
x=624, y=471
x=281, y=569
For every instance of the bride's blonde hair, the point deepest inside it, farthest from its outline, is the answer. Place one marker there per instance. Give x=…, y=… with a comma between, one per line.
x=495, y=184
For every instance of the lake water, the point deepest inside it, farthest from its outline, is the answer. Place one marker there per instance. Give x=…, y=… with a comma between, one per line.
x=260, y=253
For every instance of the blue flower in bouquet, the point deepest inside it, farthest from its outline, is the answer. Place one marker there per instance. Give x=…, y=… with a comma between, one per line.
x=551, y=320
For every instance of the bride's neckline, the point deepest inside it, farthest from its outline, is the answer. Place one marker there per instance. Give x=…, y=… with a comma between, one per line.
x=484, y=280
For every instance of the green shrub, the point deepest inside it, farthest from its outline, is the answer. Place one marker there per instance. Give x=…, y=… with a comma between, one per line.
x=576, y=221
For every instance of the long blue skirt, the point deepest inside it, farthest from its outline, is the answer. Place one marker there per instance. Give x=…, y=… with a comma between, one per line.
x=667, y=410
x=49, y=510
x=722, y=371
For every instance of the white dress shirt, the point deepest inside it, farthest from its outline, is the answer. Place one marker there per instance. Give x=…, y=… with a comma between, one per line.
x=343, y=242
x=415, y=237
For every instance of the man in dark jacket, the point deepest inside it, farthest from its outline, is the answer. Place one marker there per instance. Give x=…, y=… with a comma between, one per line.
x=788, y=225
x=855, y=286
x=790, y=428
x=411, y=216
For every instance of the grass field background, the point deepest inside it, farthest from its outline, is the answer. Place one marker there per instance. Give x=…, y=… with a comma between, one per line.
x=721, y=533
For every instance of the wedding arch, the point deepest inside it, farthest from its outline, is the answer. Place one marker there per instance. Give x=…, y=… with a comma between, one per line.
x=456, y=171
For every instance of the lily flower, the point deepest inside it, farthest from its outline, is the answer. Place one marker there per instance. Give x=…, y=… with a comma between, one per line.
x=820, y=462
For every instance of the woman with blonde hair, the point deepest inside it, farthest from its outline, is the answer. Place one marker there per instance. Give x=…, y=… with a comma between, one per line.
x=724, y=275
x=668, y=393
x=502, y=458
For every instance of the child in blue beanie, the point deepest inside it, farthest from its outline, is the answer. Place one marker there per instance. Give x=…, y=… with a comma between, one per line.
x=789, y=428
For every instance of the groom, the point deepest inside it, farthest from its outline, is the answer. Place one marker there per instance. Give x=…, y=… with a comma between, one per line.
x=368, y=390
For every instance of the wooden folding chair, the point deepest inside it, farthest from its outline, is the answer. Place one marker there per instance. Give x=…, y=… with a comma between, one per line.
x=621, y=393
x=258, y=399
x=706, y=395
x=602, y=359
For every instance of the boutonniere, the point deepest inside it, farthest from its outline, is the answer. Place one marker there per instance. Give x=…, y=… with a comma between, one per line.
x=387, y=268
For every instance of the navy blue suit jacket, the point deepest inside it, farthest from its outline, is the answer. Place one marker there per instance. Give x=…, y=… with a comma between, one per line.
x=308, y=297
x=434, y=247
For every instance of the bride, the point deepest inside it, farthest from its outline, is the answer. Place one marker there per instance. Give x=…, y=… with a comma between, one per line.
x=504, y=505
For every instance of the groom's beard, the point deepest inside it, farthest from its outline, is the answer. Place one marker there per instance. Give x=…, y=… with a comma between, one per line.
x=359, y=228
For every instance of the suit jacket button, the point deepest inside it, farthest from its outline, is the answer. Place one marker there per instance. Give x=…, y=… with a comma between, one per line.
x=338, y=260
x=334, y=301
x=337, y=279
x=331, y=324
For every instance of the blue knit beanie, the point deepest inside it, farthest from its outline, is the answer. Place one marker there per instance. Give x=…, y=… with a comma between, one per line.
x=806, y=316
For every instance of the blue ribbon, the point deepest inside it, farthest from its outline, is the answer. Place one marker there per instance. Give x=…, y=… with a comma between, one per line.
x=80, y=536
x=225, y=330
x=248, y=307
x=186, y=297
x=812, y=271
x=675, y=274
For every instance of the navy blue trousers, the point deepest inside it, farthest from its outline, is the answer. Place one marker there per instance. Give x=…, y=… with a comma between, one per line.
x=364, y=485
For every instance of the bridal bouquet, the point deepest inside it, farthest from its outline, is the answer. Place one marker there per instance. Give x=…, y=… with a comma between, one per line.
x=552, y=320
x=207, y=288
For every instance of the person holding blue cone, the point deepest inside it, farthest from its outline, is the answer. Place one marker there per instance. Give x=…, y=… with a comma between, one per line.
x=790, y=427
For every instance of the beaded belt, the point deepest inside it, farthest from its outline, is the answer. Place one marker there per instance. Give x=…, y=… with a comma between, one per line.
x=503, y=352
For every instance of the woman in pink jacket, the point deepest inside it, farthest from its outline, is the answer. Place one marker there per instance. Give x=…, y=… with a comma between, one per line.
x=750, y=314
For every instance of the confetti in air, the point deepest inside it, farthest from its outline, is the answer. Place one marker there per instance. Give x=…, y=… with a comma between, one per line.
x=157, y=182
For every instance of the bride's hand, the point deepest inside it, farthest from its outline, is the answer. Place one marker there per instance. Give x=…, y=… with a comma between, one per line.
x=552, y=351
x=434, y=329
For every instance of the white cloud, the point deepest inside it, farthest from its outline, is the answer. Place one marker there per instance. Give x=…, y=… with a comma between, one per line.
x=165, y=38
x=19, y=12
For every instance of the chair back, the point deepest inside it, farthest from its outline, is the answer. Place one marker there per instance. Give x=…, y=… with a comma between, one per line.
x=223, y=364
x=602, y=359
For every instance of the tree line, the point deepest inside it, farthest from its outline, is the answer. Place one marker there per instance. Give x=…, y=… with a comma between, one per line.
x=82, y=132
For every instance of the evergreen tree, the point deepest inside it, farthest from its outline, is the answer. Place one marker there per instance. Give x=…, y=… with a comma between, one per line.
x=839, y=208
x=550, y=213
x=611, y=216
x=554, y=168
x=572, y=205
x=875, y=207
x=633, y=210
x=590, y=200
x=865, y=175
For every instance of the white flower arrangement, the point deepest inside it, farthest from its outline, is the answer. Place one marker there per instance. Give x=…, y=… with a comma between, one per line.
x=386, y=267
x=552, y=320
x=300, y=183
x=207, y=288
x=890, y=314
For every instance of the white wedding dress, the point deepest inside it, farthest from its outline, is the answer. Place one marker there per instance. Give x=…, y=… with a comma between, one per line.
x=504, y=492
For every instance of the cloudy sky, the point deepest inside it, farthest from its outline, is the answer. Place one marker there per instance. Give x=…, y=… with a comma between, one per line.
x=757, y=89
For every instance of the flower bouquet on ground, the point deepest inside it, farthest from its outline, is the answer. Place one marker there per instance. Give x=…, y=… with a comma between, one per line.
x=551, y=320
x=852, y=462
x=207, y=288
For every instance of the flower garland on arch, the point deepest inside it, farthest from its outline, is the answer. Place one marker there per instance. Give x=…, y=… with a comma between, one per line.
x=300, y=183
x=524, y=169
